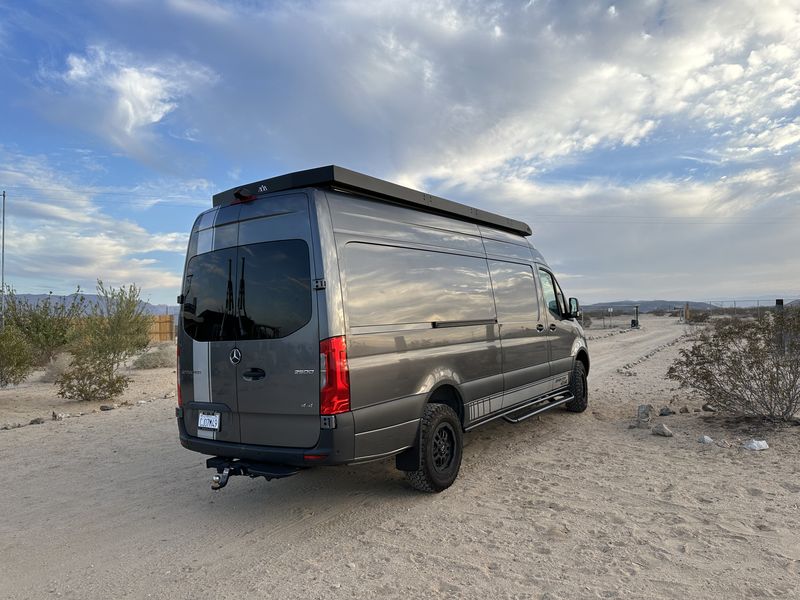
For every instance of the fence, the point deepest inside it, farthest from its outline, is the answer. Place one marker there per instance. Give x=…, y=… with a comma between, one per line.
x=621, y=315
x=610, y=317
x=737, y=308
x=162, y=328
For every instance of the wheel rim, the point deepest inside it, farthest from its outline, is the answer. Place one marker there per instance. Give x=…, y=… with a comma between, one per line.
x=443, y=444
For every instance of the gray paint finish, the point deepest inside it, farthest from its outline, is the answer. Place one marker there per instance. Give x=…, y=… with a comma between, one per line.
x=425, y=301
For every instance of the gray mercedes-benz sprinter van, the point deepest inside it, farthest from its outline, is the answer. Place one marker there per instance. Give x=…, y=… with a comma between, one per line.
x=328, y=317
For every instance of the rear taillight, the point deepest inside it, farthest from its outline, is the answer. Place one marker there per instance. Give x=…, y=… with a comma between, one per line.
x=334, y=392
x=178, y=374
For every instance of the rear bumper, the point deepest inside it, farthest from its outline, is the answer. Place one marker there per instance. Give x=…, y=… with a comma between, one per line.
x=334, y=447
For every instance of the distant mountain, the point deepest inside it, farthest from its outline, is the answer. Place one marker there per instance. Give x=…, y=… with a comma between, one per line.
x=647, y=306
x=152, y=309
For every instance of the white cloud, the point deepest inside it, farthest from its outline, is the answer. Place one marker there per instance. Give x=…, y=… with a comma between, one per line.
x=57, y=238
x=121, y=96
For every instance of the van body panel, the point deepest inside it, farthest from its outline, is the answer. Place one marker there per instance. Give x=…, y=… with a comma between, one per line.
x=383, y=442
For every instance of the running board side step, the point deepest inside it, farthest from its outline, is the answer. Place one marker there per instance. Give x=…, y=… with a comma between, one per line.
x=537, y=409
x=528, y=409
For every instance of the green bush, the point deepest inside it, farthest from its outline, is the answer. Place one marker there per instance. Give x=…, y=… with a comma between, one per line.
x=90, y=379
x=115, y=330
x=49, y=325
x=158, y=358
x=746, y=367
x=16, y=356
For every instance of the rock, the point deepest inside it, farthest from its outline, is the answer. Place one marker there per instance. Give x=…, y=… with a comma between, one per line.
x=696, y=410
x=106, y=407
x=58, y=416
x=709, y=408
x=170, y=394
x=704, y=439
x=37, y=421
x=140, y=402
x=684, y=410
x=665, y=411
x=662, y=430
x=756, y=445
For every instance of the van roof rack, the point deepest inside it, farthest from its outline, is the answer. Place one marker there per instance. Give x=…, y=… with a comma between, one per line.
x=335, y=177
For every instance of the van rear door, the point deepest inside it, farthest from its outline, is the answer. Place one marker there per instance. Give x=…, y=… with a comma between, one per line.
x=250, y=309
x=278, y=337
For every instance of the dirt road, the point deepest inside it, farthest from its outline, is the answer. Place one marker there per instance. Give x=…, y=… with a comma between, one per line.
x=564, y=506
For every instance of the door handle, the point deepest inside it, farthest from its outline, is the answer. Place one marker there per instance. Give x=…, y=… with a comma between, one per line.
x=540, y=328
x=253, y=374
x=552, y=326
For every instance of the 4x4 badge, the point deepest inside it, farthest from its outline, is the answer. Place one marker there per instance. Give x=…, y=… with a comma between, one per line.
x=236, y=356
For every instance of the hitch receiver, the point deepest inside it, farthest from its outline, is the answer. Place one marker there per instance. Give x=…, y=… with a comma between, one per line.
x=228, y=467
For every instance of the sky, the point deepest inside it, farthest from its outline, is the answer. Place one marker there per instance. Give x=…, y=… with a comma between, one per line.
x=652, y=145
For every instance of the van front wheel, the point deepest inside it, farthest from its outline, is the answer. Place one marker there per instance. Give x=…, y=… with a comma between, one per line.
x=579, y=389
x=440, y=449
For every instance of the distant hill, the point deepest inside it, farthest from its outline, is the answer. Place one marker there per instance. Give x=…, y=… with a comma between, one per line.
x=153, y=309
x=646, y=306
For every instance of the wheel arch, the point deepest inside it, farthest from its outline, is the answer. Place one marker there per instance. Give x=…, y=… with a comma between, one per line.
x=448, y=394
x=583, y=357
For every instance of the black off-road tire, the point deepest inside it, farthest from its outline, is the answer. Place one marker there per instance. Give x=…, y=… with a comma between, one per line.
x=440, y=449
x=579, y=389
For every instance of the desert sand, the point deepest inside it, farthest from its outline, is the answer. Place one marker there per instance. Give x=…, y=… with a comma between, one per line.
x=109, y=505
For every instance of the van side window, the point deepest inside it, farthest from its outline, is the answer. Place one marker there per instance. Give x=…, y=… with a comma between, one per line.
x=514, y=291
x=387, y=285
x=553, y=296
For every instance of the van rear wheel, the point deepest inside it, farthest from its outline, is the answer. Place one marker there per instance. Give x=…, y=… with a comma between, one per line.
x=579, y=389
x=440, y=449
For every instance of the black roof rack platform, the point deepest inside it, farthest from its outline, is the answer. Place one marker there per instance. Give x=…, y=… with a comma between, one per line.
x=340, y=178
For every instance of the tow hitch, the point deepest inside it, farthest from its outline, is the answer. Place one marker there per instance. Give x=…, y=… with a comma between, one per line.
x=228, y=467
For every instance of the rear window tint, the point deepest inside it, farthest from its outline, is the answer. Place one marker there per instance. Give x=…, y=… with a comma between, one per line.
x=258, y=291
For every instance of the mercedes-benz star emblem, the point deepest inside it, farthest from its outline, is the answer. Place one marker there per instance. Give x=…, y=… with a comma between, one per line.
x=236, y=356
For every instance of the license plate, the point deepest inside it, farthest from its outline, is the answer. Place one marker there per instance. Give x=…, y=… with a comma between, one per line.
x=208, y=420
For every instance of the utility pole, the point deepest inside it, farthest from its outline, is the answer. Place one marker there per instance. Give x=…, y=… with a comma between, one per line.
x=3, y=269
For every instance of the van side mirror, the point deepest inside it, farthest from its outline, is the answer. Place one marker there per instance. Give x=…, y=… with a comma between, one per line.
x=574, y=309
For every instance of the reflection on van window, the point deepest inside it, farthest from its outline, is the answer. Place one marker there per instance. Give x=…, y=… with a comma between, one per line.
x=514, y=292
x=551, y=298
x=389, y=286
x=259, y=291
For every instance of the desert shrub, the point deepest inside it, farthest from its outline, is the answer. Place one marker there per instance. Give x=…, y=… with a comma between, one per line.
x=158, y=358
x=56, y=367
x=49, y=324
x=16, y=356
x=698, y=317
x=659, y=312
x=586, y=320
x=746, y=367
x=115, y=330
x=91, y=379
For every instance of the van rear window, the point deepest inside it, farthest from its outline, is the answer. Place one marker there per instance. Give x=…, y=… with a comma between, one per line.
x=253, y=292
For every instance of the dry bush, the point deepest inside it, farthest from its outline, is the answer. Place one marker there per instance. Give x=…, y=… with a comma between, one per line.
x=16, y=356
x=160, y=357
x=56, y=367
x=745, y=367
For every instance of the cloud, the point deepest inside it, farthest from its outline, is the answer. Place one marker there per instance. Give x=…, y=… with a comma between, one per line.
x=57, y=237
x=120, y=96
